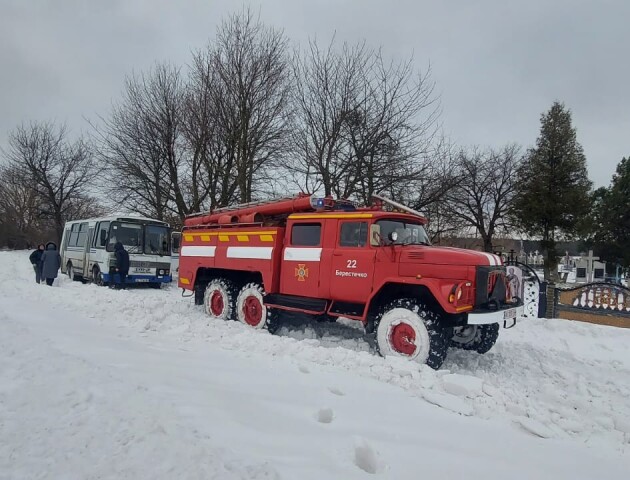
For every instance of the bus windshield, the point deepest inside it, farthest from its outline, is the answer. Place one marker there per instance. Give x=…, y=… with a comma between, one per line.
x=156, y=240
x=139, y=238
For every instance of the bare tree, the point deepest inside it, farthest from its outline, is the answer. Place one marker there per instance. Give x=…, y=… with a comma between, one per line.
x=392, y=127
x=19, y=210
x=250, y=95
x=483, y=198
x=326, y=85
x=140, y=144
x=363, y=125
x=61, y=173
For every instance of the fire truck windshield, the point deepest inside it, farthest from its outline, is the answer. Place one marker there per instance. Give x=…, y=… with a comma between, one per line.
x=405, y=233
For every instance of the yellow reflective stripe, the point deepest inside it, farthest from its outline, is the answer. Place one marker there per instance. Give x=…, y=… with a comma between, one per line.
x=224, y=233
x=185, y=281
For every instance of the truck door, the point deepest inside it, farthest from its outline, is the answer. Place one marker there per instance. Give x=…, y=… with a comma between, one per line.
x=352, y=272
x=301, y=260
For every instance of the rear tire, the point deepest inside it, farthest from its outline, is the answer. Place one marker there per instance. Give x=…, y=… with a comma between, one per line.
x=408, y=328
x=219, y=299
x=274, y=320
x=250, y=308
x=479, y=338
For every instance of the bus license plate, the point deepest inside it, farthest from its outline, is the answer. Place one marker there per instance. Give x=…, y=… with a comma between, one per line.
x=142, y=270
x=142, y=280
x=510, y=313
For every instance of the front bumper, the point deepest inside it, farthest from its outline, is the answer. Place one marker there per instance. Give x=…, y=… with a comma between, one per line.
x=496, y=316
x=113, y=277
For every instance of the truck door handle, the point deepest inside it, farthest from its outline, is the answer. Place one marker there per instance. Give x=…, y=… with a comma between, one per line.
x=337, y=254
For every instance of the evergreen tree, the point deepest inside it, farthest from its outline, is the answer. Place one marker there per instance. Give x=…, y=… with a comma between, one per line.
x=553, y=185
x=612, y=211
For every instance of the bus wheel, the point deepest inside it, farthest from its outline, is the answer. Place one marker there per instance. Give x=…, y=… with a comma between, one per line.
x=250, y=308
x=70, y=270
x=218, y=300
x=97, y=277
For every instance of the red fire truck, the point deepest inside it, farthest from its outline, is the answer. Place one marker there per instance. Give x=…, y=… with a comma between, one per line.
x=260, y=263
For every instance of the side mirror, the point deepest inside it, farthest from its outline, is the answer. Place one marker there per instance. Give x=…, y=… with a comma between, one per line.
x=375, y=235
x=175, y=242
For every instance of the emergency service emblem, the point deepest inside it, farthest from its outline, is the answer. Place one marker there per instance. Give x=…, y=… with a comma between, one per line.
x=301, y=272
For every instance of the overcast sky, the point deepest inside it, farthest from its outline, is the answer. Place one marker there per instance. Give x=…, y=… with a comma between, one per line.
x=497, y=64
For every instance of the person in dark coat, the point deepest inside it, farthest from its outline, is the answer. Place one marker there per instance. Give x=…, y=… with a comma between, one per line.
x=122, y=263
x=51, y=261
x=36, y=261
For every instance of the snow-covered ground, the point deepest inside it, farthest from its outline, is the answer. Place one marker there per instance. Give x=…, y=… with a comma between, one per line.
x=136, y=384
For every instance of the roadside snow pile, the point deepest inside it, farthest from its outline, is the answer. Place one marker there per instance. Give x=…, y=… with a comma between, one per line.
x=572, y=377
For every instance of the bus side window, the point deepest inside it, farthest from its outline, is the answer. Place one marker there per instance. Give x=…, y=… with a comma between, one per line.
x=101, y=237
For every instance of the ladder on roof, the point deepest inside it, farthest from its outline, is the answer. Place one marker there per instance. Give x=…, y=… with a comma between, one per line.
x=240, y=206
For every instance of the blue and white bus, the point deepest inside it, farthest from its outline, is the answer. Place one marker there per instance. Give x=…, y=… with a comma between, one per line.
x=87, y=249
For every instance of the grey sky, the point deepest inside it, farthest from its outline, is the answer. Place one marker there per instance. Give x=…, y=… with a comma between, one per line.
x=497, y=64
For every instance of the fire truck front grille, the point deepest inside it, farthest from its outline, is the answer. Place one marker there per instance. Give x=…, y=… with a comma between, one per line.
x=491, y=287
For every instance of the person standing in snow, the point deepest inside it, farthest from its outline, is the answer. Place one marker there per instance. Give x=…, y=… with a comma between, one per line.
x=122, y=263
x=36, y=261
x=51, y=261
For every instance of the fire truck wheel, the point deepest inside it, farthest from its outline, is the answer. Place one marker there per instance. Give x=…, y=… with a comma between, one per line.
x=219, y=298
x=407, y=328
x=274, y=320
x=250, y=308
x=480, y=338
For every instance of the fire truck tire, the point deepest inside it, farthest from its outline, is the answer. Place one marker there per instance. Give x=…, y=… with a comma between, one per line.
x=250, y=308
x=274, y=320
x=479, y=338
x=219, y=299
x=407, y=328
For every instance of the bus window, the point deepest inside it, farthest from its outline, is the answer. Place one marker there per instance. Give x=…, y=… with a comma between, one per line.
x=129, y=234
x=101, y=236
x=83, y=232
x=157, y=240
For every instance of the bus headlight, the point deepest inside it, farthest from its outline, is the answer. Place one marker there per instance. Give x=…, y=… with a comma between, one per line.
x=161, y=272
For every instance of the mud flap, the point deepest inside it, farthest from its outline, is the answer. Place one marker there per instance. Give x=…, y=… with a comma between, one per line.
x=505, y=323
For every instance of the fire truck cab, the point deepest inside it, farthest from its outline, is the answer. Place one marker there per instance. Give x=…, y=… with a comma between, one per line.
x=262, y=262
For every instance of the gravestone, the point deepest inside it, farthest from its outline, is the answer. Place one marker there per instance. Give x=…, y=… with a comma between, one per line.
x=599, y=271
x=585, y=269
x=581, y=271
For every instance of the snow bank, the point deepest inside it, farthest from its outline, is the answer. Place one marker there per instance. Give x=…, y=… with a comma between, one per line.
x=96, y=382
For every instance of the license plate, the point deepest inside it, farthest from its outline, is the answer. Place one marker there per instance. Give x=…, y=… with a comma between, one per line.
x=142, y=270
x=142, y=280
x=510, y=313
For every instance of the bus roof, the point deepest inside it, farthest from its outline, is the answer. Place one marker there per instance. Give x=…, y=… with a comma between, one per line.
x=120, y=218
